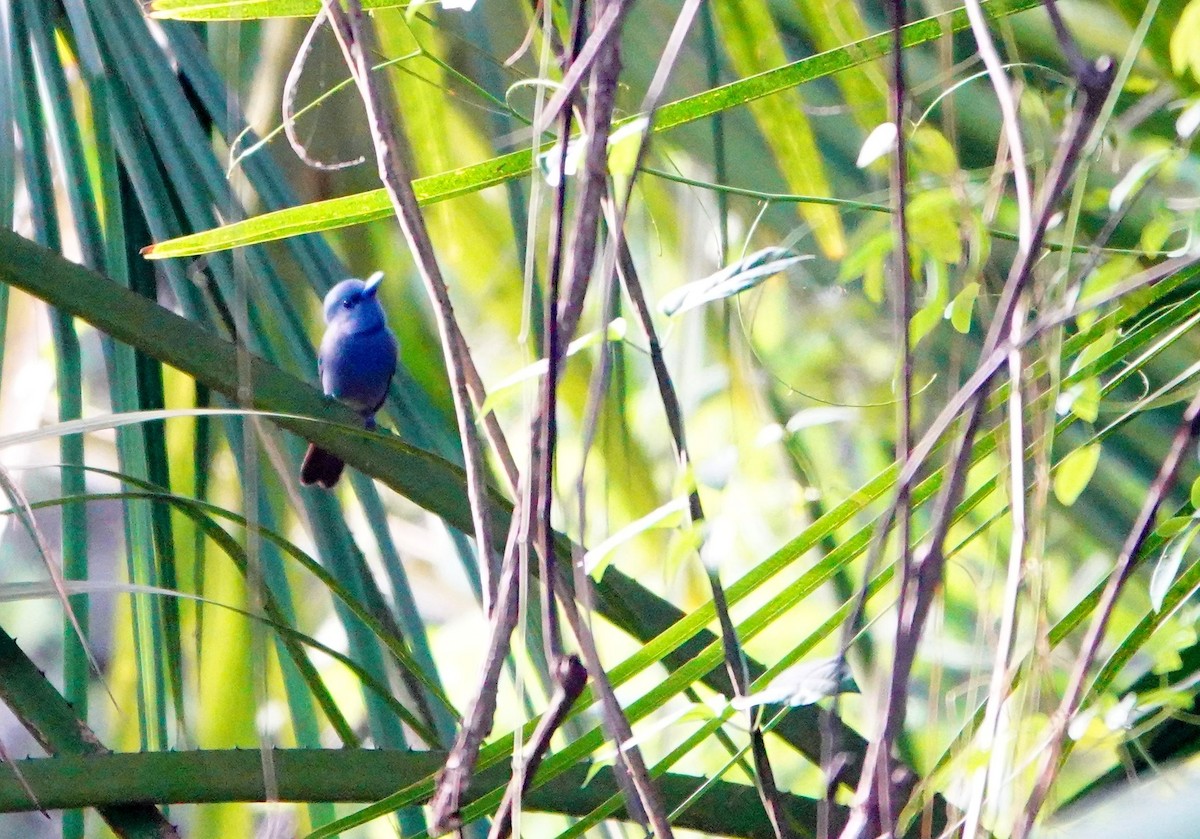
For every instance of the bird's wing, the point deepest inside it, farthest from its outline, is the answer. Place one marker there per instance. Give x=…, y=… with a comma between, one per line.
x=391, y=377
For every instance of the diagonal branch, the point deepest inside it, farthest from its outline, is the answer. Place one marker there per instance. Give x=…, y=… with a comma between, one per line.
x=927, y=574
x=1131, y=555
x=354, y=36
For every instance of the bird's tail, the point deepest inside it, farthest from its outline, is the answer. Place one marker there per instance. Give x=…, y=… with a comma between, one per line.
x=320, y=467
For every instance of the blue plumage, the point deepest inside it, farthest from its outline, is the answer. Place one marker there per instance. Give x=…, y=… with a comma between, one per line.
x=356, y=362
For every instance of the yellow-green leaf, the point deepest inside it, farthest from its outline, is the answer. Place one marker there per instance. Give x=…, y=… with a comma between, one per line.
x=1074, y=472
x=933, y=151
x=1185, y=41
x=933, y=219
x=753, y=44
x=962, y=307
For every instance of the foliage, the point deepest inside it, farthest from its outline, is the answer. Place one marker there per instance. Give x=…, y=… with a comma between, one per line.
x=729, y=454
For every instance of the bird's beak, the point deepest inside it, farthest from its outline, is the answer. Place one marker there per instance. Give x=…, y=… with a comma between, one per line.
x=372, y=284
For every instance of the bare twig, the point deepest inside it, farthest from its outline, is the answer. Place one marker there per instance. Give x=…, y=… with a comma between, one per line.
x=616, y=212
x=352, y=30
x=876, y=784
x=1131, y=555
x=581, y=62
x=915, y=602
x=998, y=692
x=640, y=794
x=570, y=679
x=477, y=721
x=543, y=451
x=582, y=254
x=1008, y=113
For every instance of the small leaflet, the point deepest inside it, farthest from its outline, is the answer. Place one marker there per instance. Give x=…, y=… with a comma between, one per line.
x=879, y=142
x=733, y=279
x=803, y=684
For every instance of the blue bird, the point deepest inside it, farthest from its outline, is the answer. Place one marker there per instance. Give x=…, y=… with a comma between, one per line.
x=356, y=362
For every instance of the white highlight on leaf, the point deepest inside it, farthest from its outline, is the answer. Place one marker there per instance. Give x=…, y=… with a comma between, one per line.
x=879, y=142
x=668, y=515
x=802, y=684
x=730, y=280
x=1188, y=121
x=1167, y=567
x=1137, y=175
x=1121, y=715
x=548, y=161
x=465, y=5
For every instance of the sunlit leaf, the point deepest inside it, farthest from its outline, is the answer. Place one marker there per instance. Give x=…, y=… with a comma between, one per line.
x=502, y=389
x=933, y=151
x=933, y=223
x=1167, y=567
x=1137, y=175
x=1075, y=472
x=732, y=279
x=802, y=684
x=881, y=141
x=1185, y=41
x=962, y=307
x=670, y=514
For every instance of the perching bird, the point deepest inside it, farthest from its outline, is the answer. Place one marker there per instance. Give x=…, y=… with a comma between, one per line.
x=356, y=362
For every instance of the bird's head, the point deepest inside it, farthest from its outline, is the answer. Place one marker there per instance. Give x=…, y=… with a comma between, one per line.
x=353, y=302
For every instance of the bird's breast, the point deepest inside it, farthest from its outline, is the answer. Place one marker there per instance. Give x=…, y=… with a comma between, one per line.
x=357, y=367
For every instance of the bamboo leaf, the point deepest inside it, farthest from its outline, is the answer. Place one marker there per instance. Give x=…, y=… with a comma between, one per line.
x=373, y=205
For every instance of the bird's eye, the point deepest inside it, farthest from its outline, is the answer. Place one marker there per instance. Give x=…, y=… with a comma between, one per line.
x=348, y=303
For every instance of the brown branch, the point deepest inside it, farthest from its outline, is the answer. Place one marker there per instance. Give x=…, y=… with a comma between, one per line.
x=455, y=776
x=570, y=678
x=734, y=659
x=876, y=786
x=355, y=37
x=1131, y=555
x=926, y=579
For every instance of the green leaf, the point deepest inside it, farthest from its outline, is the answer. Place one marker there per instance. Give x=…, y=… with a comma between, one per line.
x=1155, y=234
x=962, y=307
x=753, y=43
x=616, y=331
x=933, y=151
x=1085, y=399
x=374, y=204
x=248, y=9
x=1185, y=41
x=1072, y=475
x=923, y=322
x=933, y=224
x=1167, y=567
x=671, y=514
x=1093, y=352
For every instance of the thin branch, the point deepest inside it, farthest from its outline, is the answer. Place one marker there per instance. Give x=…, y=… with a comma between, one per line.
x=999, y=687
x=915, y=602
x=570, y=681
x=1127, y=562
x=875, y=784
x=582, y=59
x=353, y=30
x=640, y=794
x=542, y=453
x=455, y=776
x=616, y=212
x=1008, y=115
